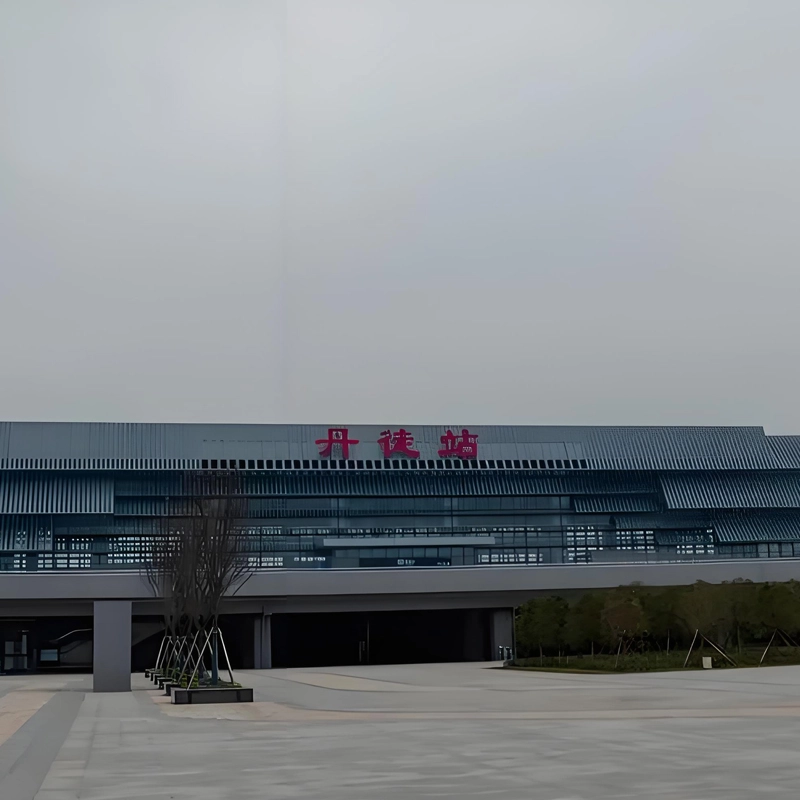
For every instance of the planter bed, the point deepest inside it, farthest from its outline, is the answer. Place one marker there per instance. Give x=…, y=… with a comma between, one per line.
x=211, y=694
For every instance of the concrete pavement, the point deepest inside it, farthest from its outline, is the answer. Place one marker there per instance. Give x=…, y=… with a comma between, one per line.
x=418, y=731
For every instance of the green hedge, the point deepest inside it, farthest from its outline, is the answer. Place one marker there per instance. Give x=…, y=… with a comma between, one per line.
x=645, y=623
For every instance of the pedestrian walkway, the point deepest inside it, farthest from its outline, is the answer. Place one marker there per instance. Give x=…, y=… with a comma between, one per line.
x=441, y=730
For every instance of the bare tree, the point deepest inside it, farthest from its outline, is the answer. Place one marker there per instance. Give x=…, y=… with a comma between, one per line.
x=162, y=555
x=197, y=558
x=220, y=539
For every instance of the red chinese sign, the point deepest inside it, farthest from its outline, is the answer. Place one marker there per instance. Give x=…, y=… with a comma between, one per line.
x=336, y=436
x=398, y=443
x=463, y=446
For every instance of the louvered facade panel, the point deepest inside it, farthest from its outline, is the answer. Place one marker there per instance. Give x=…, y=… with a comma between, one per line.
x=616, y=503
x=22, y=493
x=662, y=521
x=152, y=506
x=21, y=532
x=438, y=484
x=672, y=538
x=99, y=489
x=731, y=490
x=750, y=528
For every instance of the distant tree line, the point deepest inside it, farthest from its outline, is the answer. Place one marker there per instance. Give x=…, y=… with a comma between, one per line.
x=637, y=618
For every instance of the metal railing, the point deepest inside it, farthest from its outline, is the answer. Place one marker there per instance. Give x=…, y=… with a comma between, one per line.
x=91, y=554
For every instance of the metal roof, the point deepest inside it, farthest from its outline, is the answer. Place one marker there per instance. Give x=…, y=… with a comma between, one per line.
x=739, y=527
x=179, y=445
x=755, y=528
x=786, y=450
x=731, y=490
x=671, y=448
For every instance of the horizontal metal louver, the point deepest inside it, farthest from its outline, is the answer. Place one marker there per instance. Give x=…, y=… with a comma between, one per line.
x=464, y=484
x=615, y=503
x=153, y=506
x=678, y=521
x=21, y=493
x=334, y=483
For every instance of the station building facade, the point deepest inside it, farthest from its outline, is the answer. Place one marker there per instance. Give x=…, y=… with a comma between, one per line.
x=82, y=498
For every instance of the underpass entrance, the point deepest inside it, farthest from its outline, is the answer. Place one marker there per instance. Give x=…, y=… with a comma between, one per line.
x=388, y=637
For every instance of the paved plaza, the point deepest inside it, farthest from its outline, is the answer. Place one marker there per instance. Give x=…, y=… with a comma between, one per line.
x=420, y=731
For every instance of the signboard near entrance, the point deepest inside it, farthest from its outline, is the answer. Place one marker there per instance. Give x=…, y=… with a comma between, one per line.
x=404, y=562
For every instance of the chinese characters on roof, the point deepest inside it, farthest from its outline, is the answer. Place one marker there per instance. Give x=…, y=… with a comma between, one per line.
x=400, y=443
x=337, y=437
x=463, y=446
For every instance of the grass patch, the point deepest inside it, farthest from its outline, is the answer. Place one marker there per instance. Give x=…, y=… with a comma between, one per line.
x=656, y=661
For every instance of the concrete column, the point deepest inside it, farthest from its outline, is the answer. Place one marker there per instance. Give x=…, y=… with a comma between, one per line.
x=258, y=625
x=112, y=646
x=501, y=630
x=262, y=641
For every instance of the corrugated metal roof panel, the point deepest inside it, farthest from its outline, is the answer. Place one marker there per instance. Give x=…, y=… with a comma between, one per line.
x=24, y=493
x=755, y=528
x=614, y=448
x=731, y=490
x=786, y=450
x=615, y=503
x=679, y=448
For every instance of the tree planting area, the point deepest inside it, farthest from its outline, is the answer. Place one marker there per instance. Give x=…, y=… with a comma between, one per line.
x=640, y=628
x=197, y=558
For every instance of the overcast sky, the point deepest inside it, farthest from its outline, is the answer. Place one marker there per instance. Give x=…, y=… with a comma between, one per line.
x=477, y=211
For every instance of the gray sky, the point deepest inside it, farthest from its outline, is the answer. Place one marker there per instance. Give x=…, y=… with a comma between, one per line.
x=487, y=211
